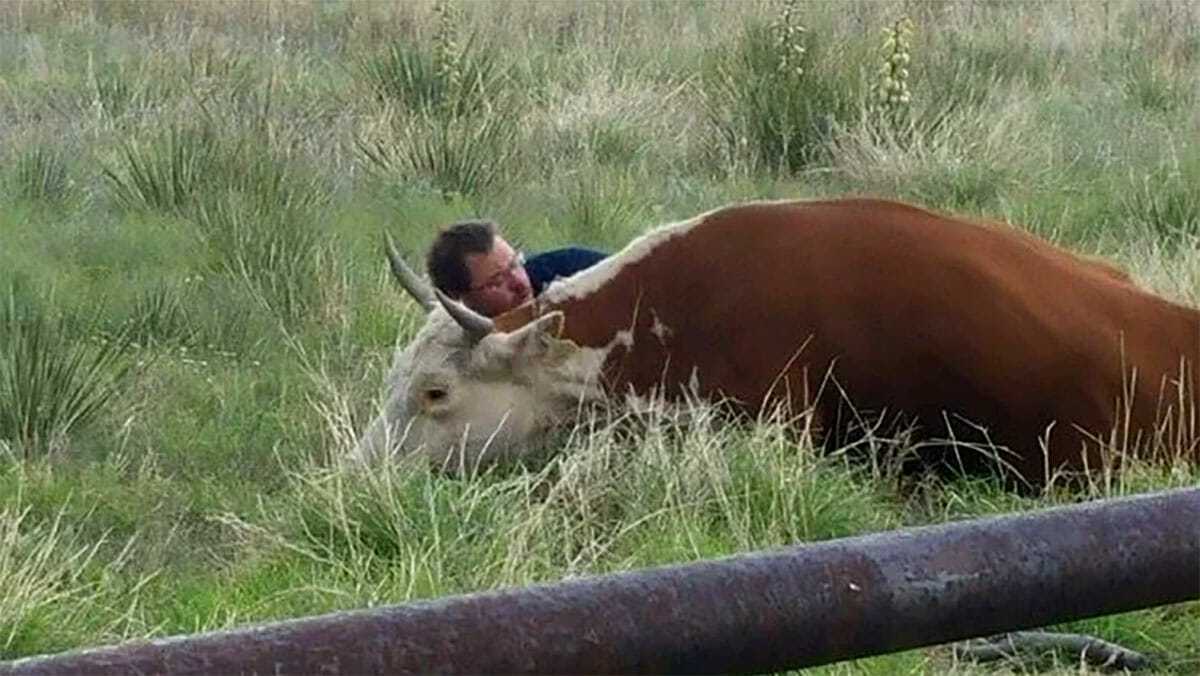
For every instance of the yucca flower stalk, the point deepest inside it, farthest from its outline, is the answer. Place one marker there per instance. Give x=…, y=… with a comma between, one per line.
x=892, y=95
x=788, y=33
x=448, y=53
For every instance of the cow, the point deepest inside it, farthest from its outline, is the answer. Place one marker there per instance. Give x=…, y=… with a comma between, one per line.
x=851, y=309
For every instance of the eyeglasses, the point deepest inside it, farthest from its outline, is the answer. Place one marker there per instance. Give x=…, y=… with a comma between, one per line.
x=497, y=280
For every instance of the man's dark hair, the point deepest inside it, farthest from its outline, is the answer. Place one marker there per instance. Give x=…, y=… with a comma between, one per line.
x=446, y=262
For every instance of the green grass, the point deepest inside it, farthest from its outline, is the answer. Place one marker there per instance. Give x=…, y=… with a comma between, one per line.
x=198, y=314
x=52, y=384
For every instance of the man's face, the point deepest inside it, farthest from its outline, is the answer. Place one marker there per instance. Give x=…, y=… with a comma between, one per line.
x=498, y=280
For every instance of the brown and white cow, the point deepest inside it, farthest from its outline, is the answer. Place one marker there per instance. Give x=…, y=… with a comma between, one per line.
x=961, y=327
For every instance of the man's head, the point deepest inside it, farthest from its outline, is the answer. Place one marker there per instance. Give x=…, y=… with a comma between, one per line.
x=470, y=262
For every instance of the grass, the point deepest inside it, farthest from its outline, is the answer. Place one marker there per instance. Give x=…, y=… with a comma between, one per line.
x=51, y=383
x=198, y=315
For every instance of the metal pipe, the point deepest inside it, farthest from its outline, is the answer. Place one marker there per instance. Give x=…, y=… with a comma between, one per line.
x=794, y=607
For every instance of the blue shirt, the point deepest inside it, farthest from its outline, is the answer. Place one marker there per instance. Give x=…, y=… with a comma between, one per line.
x=547, y=266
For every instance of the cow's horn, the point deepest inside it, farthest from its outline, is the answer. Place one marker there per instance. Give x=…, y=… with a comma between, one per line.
x=409, y=280
x=476, y=325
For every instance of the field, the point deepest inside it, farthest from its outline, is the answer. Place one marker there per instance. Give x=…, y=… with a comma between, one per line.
x=196, y=315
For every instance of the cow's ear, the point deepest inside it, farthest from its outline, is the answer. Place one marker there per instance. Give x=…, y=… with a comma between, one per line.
x=535, y=338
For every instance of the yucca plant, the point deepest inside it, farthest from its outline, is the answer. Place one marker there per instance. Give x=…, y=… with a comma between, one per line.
x=118, y=90
x=173, y=169
x=768, y=100
x=164, y=173
x=453, y=155
x=271, y=249
x=457, y=125
x=211, y=68
x=457, y=77
x=40, y=175
x=253, y=206
x=52, y=383
x=403, y=74
x=158, y=316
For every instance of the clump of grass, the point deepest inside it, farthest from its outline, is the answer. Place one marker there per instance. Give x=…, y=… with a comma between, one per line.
x=1167, y=206
x=175, y=169
x=657, y=484
x=1152, y=86
x=394, y=533
x=456, y=80
x=676, y=481
x=404, y=74
x=273, y=250
x=251, y=203
x=957, y=149
x=50, y=382
x=455, y=156
x=167, y=171
x=43, y=571
x=602, y=206
x=964, y=162
x=120, y=90
x=213, y=69
x=40, y=174
x=457, y=125
x=768, y=99
x=159, y=316
x=962, y=77
x=992, y=57
x=600, y=117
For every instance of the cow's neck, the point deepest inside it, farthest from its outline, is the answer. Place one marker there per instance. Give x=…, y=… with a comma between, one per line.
x=613, y=312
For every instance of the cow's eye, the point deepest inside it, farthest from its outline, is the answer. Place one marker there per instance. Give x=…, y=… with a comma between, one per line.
x=435, y=394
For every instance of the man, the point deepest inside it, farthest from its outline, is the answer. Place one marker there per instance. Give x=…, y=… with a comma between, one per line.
x=471, y=262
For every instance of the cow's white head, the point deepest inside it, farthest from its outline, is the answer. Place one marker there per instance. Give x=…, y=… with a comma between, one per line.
x=463, y=395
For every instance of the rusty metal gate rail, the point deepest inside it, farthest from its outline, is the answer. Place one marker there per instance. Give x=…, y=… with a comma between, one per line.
x=799, y=606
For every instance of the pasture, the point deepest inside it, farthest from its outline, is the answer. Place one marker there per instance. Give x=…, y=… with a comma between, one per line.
x=196, y=313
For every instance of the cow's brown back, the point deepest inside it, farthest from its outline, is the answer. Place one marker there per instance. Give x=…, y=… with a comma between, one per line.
x=933, y=318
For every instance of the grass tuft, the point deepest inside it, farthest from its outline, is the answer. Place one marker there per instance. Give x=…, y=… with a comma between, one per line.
x=50, y=382
x=159, y=316
x=1167, y=205
x=454, y=156
x=166, y=172
x=43, y=571
x=273, y=251
x=41, y=174
x=772, y=99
